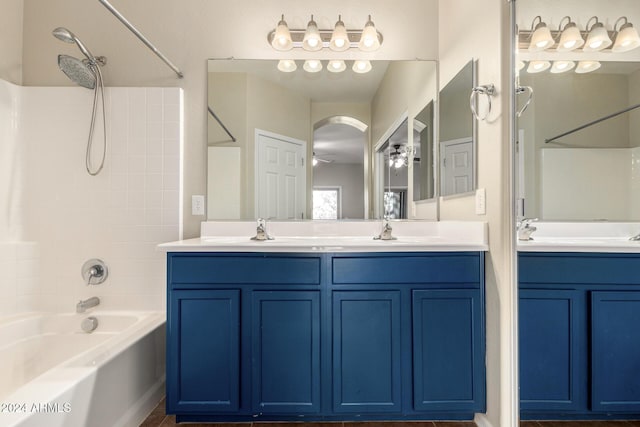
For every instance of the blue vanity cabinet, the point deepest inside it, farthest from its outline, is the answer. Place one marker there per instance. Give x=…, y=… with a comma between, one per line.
x=615, y=338
x=551, y=325
x=325, y=336
x=203, y=351
x=448, y=350
x=366, y=352
x=285, y=342
x=409, y=325
x=579, y=336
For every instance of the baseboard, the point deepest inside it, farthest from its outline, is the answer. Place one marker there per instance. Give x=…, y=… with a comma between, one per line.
x=141, y=409
x=481, y=420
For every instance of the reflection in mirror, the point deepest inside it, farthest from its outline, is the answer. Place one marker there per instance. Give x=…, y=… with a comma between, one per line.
x=424, y=168
x=590, y=173
x=395, y=159
x=272, y=125
x=457, y=134
x=338, y=169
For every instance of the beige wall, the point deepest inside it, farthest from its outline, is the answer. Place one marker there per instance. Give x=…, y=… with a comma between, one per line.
x=486, y=38
x=11, y=40
x=634, y=116
x=189, y=32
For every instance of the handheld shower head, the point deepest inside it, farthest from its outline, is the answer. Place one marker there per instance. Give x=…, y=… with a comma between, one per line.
x=67, y=36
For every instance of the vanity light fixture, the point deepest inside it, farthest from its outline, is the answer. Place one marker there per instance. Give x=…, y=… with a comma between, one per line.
x=313, y=39
x=538, y=66
x=281, y=39
x=626, y=37
x=336, y=66
x=570, y=38
x=562, y=66
x=361, y=66
x=587, y=66
x=339, y=38
x=312, y=65
x=287, y=65
x=598, y=37
x=541, y=38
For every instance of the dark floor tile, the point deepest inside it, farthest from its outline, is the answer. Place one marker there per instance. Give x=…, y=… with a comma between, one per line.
x=169, y=421
x=156, y=417
x=583, y=423
x=455, y=424
x=294, y=424
x=390, y=424
x=633, y=423
x=529, y=424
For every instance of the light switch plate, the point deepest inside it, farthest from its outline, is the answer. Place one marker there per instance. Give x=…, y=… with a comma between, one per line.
x=481, y=201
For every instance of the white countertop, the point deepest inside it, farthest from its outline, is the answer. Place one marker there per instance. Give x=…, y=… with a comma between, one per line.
x=336, y=236
x=582, y=237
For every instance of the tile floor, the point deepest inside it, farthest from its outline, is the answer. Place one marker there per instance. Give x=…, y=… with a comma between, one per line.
x=158, y=418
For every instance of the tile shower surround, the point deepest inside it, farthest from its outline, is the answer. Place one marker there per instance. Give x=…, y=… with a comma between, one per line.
x=64, y=216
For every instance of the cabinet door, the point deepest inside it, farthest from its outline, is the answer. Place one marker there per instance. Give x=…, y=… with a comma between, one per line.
x=203, y=373
x=366, y=351
x=285, y=336
x=550, y=345
x=448, y=356
x=615, y=356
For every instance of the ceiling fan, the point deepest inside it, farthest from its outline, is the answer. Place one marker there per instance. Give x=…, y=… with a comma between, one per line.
x=317, y=160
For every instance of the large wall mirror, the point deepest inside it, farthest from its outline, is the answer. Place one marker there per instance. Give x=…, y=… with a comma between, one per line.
x=579, y=139
x=299, y=145
x=457, y=131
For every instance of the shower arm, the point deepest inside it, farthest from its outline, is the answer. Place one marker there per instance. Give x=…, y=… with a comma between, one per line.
x=144, y=40
x=601, y=119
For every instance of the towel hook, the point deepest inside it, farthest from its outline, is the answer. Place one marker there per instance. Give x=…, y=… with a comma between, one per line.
x=488, y=90
x=522, y=89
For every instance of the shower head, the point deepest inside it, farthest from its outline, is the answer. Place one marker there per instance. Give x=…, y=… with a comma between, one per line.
x=78, y=71
x=67, y=36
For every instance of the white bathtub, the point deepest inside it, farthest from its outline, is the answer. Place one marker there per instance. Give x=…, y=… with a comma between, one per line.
x=53, y=374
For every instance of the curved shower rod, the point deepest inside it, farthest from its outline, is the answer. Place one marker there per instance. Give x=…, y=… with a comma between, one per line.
x=144, y=40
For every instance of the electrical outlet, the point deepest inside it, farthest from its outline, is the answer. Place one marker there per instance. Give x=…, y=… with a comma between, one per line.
x=197, y=205
x=481, y=201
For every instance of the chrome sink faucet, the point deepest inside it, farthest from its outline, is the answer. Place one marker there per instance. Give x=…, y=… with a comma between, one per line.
x=525, y=229
x=385, y=234
x=82, y=306
x=261, y=231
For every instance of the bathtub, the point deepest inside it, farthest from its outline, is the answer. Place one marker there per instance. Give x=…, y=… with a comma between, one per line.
x=53, y=374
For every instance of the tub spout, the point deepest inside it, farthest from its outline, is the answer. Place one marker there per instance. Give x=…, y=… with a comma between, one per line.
x=82, y=306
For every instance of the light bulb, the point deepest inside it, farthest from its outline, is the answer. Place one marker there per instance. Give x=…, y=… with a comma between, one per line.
x=312, y=40
x=282, y=37
x=369, y=40
x=336, y=66
x=361, y=66
x=587, y=66
x=562, y=66
x=287, y=65
x=339, y=38
x=312, y=65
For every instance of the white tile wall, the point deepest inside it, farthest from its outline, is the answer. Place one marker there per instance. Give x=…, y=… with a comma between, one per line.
x=118, y=216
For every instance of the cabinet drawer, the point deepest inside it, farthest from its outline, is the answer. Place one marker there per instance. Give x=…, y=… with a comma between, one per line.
x=243, y=269
x=579, y=268
x=415, y=269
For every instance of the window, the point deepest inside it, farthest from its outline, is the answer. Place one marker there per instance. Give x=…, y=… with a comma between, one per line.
x=326, y=203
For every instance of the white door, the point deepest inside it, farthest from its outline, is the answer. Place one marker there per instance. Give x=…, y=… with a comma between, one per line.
x=280, y=176
x=456, y=165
